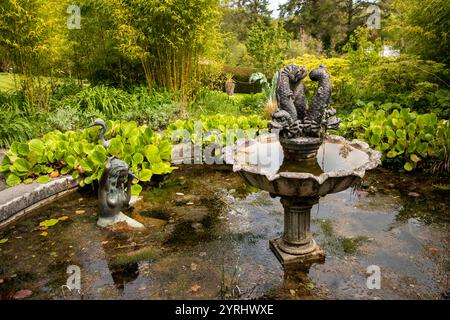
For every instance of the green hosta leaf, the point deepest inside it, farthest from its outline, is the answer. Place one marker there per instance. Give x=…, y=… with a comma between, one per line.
x=391, y=154
x=145, y=175
x=165, y=150
x=385, y=146
x=89, y=180
x=78, y=147
x=375, y=139
x=136, y=189
x=51, y=156
x=151, y=152
x=401, y=134
x=115, y=147
x=5, y=168
x=23, y=149
x=71, y=161
x=138, y=158
x=21, y=165
x=162, y=168
x=99, y=157
x=37, y=146
x=43, y=179
x=12, y=180
x=411, y=147
x=390, y=134
x=65, y=170
x=408, y=166
x=87, y=165
x=131, y=148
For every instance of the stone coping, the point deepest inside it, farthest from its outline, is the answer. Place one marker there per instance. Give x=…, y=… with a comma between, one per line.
x=18, y=200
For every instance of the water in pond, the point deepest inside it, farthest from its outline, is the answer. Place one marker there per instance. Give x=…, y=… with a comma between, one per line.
x=265, y=156
x=207, y=237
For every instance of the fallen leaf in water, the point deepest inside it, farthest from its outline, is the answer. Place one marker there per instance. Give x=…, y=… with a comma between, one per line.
x=311, y=286
x=179, y=194
x=193, y=266
x=190, y=203
x=44, y=234
x=42, y=228
x=4, y=240
x=195, y=288
x=105, y=242
x=63, y=218
x=292, y=292
x=80, y=211
x=22, y=294
x=48, y=223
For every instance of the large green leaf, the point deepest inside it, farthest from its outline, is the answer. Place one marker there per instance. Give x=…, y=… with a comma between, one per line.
x=115, y=147
x=23, y=149
x=136, y=189
x=37, y=146
x=99, y=156
x=12, y=180
x=138, y=158
x=43, y=179
x=145, y=175
x=408, y=166
x=21, y=165
x=151, y=152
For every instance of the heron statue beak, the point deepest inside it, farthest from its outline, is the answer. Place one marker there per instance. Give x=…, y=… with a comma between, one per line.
x=131, y=174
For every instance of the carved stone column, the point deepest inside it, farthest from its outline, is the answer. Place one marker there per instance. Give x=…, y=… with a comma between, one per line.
x=296, y=244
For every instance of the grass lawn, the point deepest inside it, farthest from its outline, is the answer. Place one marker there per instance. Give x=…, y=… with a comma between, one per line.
x=7, y=81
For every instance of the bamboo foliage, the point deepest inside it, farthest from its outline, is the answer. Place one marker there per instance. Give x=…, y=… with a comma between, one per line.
x=169, y=37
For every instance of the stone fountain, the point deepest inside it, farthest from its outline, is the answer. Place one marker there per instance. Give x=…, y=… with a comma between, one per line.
x=299, y=162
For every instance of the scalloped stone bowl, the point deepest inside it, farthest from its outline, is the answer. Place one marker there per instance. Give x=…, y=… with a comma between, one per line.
x=338, y=165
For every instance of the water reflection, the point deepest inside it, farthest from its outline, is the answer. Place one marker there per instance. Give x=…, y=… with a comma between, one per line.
x=266, y=157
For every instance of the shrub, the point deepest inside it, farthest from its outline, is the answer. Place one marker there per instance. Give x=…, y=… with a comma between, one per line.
x=339, y=69
x=106, y=100
x=406, y=80
x=80, y=154
x=14, y=126
x=405, y=138
x=221, y=129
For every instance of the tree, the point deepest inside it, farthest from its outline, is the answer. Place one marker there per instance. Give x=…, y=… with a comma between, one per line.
x=330, y=21
x=170, y=38
x=268, y=45
x=29, y=39
x=421, y=27
x=241, y=15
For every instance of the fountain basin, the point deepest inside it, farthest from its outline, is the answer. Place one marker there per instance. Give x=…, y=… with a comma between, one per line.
x=337, y=165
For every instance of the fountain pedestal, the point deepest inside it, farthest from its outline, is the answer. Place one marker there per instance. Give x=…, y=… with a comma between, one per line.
x=297, y=246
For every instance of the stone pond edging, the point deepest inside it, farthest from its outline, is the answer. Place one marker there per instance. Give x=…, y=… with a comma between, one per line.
x=23, y=198
x=19, y=200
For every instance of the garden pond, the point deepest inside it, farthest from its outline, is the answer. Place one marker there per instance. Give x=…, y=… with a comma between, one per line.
x=207, y=238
